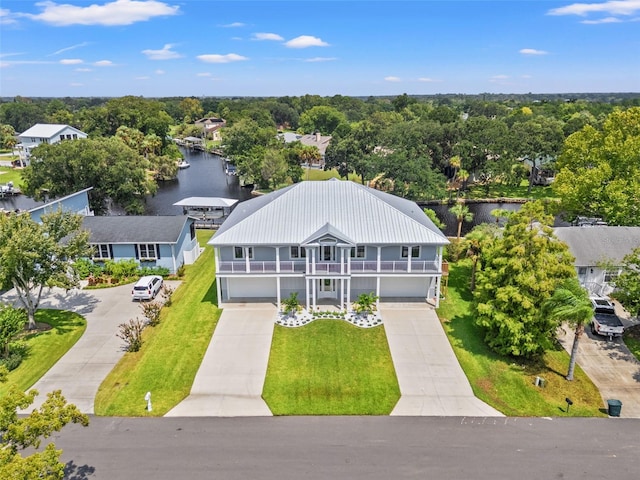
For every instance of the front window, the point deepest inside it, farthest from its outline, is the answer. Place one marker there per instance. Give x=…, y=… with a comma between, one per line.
x=415, y=252
x=582, y=270
x=238, y=253
x=101, y=251
x=610, y=276
x=359, y=252
x=298, y=252
x=147, y=250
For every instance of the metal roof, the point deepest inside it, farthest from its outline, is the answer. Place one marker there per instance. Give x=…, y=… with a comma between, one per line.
x=47, y=130
x=592, y=245
x=294, y=214
x=135, y=229
x=206, y=202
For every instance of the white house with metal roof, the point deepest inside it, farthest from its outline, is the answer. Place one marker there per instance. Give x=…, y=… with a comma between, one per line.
x=328, y=240
x=599, y=251
x=48, y=133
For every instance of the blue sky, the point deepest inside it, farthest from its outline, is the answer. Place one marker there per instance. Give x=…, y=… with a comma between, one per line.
x=158, y=48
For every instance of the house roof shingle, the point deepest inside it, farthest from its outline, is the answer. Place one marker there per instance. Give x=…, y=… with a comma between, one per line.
x=134, y=229
x=594, y=244
x=293, y=214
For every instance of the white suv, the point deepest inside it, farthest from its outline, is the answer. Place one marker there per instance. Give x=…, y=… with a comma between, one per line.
x=147, y=287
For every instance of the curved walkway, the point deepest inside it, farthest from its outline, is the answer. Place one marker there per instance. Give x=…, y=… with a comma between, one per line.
x=230, y=379
x=82, y=369
x=431, y=380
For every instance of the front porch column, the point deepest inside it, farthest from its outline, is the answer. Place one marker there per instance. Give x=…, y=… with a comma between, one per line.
x=247, y=263
x=216, y=258
x=278, y=261
x=377, y=292
x=342, y=261
x=307, y=292
x=439, y=258
x=437, y=291
x=313, y=264
x=307, y=258
x=342, y=294
x=219, y=290
x=313, y=292
x=278, y=293
x=409, y=260
x=378, y=258
x=348, y=282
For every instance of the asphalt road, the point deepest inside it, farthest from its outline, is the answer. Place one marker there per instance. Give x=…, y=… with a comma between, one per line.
x=368, y=448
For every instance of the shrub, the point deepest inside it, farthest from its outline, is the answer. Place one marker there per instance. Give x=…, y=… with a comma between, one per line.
x=166, y=293
x=121, y=269
x=85, y=268
x=162, y=271
x=13, y=361
x=366, y=303
x=131, y=333
x=151, y=311
x=290, y=305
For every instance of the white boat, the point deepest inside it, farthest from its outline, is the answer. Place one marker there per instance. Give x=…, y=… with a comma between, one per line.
x=184, y=164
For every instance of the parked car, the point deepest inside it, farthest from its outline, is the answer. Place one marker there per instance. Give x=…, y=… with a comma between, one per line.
x=147, y=287
x=605, y=321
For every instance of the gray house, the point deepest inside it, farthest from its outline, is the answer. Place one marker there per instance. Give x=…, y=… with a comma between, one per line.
x=599, y=251
x=329, y=240
x=153, y=241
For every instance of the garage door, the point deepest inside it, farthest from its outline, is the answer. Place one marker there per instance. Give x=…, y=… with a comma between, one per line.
x=403, y=287
x=252, y=287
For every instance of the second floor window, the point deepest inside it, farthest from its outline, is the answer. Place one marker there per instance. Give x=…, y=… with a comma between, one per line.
x=359, y=252
x=298, y=252
x=415, y=252
x=238, y=253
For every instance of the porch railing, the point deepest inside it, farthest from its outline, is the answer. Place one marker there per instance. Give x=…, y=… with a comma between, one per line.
x=357, y=266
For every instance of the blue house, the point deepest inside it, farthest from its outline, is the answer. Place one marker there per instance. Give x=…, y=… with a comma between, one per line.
x=77, y=202
x=153, y=241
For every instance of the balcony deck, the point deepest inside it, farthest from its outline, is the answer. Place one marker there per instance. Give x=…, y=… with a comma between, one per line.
x=357, y=267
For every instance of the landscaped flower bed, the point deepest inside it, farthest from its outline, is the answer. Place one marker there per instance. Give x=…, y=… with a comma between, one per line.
x=303, y=317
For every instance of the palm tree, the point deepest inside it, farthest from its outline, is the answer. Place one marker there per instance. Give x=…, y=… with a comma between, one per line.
x=570, y=303
x=475, y=241
x=462, y=214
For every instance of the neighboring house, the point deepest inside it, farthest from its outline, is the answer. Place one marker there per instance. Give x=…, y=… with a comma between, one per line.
x=328, y=240
x=77, y=202
x=321, y=142
x=48, y=133
x=154, y=241
x=211, y=127
x=599, y=251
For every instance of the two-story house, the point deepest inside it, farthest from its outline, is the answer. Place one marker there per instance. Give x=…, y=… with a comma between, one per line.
x=48, y=133
x=328, y=240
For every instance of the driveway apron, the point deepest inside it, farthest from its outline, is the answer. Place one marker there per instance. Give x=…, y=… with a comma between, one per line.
x=431, y=381
x=82, y=369
x=230, y=379
x=610, y=366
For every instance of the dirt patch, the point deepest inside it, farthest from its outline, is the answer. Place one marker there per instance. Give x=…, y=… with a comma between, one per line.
x=40, y=327
x=633, y=332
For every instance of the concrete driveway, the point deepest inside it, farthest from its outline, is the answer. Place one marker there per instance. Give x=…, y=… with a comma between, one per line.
x=432, y=383
x=611, y=367
x=82, y=369
x=230, y=379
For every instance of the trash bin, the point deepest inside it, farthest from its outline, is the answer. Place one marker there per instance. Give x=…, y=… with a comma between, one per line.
x=615, y=406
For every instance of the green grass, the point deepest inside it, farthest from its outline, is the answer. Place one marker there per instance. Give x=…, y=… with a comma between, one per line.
x=318, y=174
x=172, y=351
x=330, y=367
x=632, y=340
x=47, y=347
x=500, y=190
x=507, y=383
x=8, y=174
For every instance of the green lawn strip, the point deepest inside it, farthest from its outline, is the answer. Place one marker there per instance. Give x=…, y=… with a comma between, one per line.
x=172, y=351
x=45, y=348
x=330, y=367
x=632, y=340
x=507, y=383
x=319, y=174
x=8, y=174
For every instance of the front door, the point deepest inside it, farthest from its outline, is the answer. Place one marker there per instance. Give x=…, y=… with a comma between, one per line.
x=327, y=253
x=327, y=288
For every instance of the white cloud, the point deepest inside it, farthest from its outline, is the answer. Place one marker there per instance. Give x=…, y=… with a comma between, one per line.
x=612, y=7
x=267, y=36
x=72, y=47
x=320, y=59
x=602, y=20
x=6, y=18
x=117, y=12
x=4, y=64
x=203, y=74
x=163, y=54
x=501, y=79
x=104, y=63
x=304, y=41
x=216, y=58
x=143, y=77
x=532, y=51
x=426, y=79
x=76, y=84
x=392, y=79
x=159, y=72
x=84, y=70
x=70, y=61
x=233, y=25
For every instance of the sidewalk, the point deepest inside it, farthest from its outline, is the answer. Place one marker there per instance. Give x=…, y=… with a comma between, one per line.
x=432, y=383
x=230, y=379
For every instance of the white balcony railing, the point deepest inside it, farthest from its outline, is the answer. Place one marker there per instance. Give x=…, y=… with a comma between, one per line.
x=357, y=266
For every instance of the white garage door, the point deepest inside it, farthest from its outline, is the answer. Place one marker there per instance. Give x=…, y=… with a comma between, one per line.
x=403, y=287
x=252, y=287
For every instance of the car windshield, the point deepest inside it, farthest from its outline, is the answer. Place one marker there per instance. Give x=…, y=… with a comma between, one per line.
x=140, y=288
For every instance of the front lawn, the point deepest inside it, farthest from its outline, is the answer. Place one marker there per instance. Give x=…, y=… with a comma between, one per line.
x=45, y=348
x=330, y=367
x=8, y=174
x=506, y=383
x=172, y=351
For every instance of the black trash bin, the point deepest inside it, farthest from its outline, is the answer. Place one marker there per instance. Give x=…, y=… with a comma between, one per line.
x=615, y=407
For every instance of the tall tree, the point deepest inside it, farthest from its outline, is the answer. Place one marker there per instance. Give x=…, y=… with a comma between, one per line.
x=475, y=242
x=33, y=255
x=627, y=290
x=599, y=172
x=18, y=433
x=570, y=303
x=321, y=119
x=462, y=214
x=519, y=271
x=114, y=170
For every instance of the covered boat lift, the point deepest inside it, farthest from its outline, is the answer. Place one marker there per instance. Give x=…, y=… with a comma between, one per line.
x=209, y=212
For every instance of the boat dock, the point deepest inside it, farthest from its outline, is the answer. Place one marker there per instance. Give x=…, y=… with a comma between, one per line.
x=209, y=212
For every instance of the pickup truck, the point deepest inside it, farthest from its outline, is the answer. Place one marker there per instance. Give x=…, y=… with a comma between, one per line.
x=605, y=321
